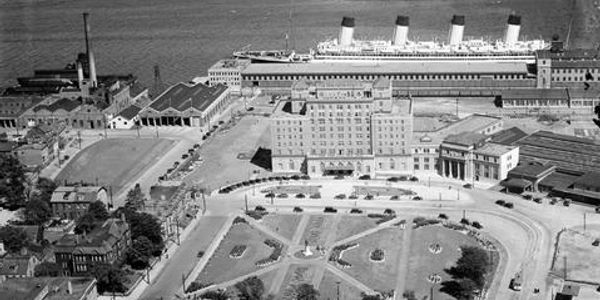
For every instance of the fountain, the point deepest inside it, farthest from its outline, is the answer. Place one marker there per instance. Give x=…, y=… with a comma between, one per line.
x=306, y=252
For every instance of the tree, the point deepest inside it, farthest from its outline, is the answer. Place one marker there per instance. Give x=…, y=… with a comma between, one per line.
x=370, y=297
x=98, y=211
x=86, y=224
x=306, y=292
x=468, y=275
x=135, y=198
x=215, y=295
x=14, y=238
x=37, y=211
x=251, y=288
x=45, y=188
x=110, y=278
x=144, y=224
x=138, y=256
x=48, y=269
x=12, y=181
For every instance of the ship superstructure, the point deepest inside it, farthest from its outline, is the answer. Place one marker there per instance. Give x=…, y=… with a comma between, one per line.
x=399, y=48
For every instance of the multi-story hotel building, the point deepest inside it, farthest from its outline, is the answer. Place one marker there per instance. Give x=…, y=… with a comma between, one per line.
x=342, y=127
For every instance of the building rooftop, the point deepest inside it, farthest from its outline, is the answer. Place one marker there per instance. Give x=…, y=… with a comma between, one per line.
x=15, y=265
x=508, y=136
x=559, y=180
x=569, y=54
x=14, y=106
x=230, y=63
x=466, y=138
x=182, y=97
x=76, y=194
x=531, y=169
x=64, y=104
x=492, y=149
x=54, y=288
x=590, y=179
x=567, y=152
x=533, y=93
x=98, y=241
x=130, y=112
x=406, y=67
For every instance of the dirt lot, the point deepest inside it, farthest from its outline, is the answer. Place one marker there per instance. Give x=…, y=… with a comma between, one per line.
x=583, y=259
x=221, y=164
x=115, y=162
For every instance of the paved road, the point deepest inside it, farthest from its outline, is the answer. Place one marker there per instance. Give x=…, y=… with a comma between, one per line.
x=183, y=260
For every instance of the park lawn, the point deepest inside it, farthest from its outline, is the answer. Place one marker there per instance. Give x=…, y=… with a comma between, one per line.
x=583, y=257
x=378, y=276
x=328, y=288
x=296, y=275
x=307, y=190
x=381, y=191
x=317, y=229
x=285, y=225
x=221, y=267
x=423, y=263
x=221, y=165
x=351, y=225
x=114, y=162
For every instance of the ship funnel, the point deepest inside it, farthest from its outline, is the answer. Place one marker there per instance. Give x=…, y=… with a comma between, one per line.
x=401, y=31
x=457, y=29
x=347, y=31
x=88, y=51
x=513, y=27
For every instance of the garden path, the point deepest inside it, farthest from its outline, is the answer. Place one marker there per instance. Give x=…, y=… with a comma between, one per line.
x=403, y=261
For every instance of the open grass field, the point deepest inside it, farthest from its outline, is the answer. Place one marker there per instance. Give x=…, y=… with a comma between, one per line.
x=583, y=258
x=221, y=165
x=283, y=224
x=296, y=275
x=378, y=276
x=115, y=162
x=350, y=225
x=328, y=288
x=423, y=263
x=221, y=267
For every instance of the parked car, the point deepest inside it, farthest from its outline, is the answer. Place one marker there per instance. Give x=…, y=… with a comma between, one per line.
x=282, y=195
x=200, y=254
x=468, y=186
x=260, y=208
x=537, y=200
x=500, y=202
x=389, y=211
x=567, y=202
x=184, y=156
x=598, y=210
x=364, y=177
x=414, y=178
x=329, y=209
x=340, y=196
x=527, y=197
x=356, y=211
x=196, y=146
x=250, y=108
x=417, y=198
x=298, y=209
x=509, y=205
x=338, y=177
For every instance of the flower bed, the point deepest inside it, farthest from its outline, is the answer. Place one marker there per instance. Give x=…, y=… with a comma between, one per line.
x=377, y=255
x=338, y=251
x=256, y=214
x=275, y=255
x=382, y=218
x=239, y=220
x=237, y=251
x=420, y=222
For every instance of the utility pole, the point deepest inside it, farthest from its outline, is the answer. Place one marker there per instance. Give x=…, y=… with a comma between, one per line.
x=111, y=197
x=183, y=283
x=79, y=138
x=584, y=221
x=457, y=107
x=565, y=267
x=464, y=214
x=246, y=201
x=338, y=290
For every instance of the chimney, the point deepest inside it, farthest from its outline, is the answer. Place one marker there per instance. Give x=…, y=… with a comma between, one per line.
x=401, y=31
x=69, y=287
x=79, y=74
x=513, y=27
x=88, y=51
x=457, y=29
x=347, y=31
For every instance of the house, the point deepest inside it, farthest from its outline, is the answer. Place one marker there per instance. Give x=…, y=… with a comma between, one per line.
x=49, y=288
x=72, y=202
x=107, y=243
x=18, y=265
x=126, y=118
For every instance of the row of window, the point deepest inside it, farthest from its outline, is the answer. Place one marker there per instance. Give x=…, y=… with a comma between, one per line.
x=374, y=77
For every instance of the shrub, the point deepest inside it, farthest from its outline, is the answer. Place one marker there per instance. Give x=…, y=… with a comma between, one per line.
x=395, y=197
x=465, y=221
x=195, y=285
x=393, y=179
x=476, y=225
x=417, y=198
x=305, y=177
x=389, y=211
x=256, y=215
x=500, y=202
x=509, y=205
x=336, y=254
x=260, y=208
x=596, y=242
x=237, y=251
x=420, y=222
x=239, y=220
x=443, y=216
x=274, y=256
x=377, y=255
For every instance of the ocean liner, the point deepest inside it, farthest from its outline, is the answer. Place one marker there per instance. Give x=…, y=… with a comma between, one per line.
x=400, y=48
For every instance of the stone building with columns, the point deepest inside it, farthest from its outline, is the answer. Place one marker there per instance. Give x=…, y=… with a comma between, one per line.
x=185, y=104
x=470, y=156
x=342, y=127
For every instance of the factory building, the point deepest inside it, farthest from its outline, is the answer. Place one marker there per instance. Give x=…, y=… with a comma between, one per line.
x=342, y=127
x=185, y=104
x=227, y=72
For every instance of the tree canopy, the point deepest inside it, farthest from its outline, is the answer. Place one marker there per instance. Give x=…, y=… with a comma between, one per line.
x=138, y=255
x=147, y=225
x=251, y=288
x=306, y=291
x=110, y=278
x=135, y=198
x=48, y=269
x=14, y=238
x=12, y=181
x=98, y=211
x=45, y=188
x=37, y=211
x=95, y=214
x=469, y=274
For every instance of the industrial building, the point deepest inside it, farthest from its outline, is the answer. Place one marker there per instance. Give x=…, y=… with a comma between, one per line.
x=187, y=104
x=342, y=127
x=227, y=72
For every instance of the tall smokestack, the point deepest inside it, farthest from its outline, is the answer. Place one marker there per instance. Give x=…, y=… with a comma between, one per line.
x=457, y=29
x=401, y=31
x=79, y=73
x=513, y=27
x=88, y=51
x=347, y=31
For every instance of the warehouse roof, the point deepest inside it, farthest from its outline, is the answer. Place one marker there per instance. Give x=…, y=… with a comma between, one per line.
x=466, y=138
x=508, y=136
x=130, y=112
x=590, y=179
x=535, y=94
x=492, y=149
x=408, y=67
x=182, y=96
